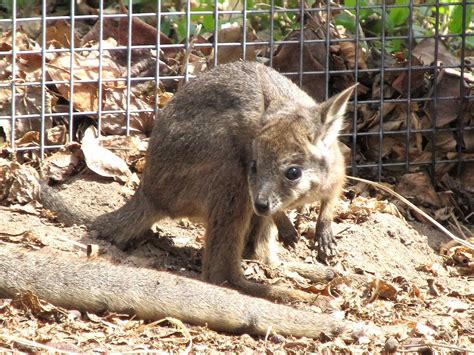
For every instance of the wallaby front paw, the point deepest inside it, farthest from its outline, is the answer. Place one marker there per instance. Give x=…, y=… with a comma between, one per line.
x=287, y=233
x=288, y=236
x=326, y=244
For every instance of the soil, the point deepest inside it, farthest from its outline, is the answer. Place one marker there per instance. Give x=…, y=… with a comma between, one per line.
x=433, y=304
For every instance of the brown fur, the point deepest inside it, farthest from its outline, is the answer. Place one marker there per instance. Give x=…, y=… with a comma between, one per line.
x=219, y=151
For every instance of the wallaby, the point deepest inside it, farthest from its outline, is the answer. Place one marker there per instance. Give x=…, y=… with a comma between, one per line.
x=235, y=146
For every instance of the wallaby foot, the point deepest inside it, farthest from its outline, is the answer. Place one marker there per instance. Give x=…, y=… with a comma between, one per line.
x=275, y=293
x=129, y=224
x=261, y=241
x=261, y=246
x=326, y=243
x=287, y=233
x=316, y=272
x=324, y=235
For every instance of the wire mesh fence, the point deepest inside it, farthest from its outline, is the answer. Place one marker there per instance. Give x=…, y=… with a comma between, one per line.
x=413, y=110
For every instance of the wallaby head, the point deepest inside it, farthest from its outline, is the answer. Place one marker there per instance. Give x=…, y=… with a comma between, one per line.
x=293, y=153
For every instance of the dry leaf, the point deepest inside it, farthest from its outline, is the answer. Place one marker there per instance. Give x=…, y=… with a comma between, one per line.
x=286, y=60
x=30, y=138
x=27, y=102
x=382, y=289
x=417, y=78
x=85, y=96
x=61, y=164
x=443, y=112
x=419, y=187
x=33, y=208
x=101, y=160
x=56, y=135
x=425, y=52
x=129, y=148
x=58, y=35
x=164, y=98
x=360, y=208
x=423, y=329
x=456, y=305
x=39, y=308
x=18, y=183
x=430, y=268
x=27, y=238
x=348, y=51
x=232, y=33
x=22, y=41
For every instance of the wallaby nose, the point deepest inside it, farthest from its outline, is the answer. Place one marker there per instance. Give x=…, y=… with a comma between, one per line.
x=262, y=206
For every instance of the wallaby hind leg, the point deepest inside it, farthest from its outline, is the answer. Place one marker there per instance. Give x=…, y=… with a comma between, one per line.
x=226, y=229
x=129, y=223
x=261, y=241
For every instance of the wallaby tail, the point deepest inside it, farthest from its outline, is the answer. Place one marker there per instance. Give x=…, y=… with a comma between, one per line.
x=68, y=213
x=121, y=227
x=93, y=286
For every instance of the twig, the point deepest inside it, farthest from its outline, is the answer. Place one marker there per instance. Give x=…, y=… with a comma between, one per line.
x=182, y=329
x=187, y=54
x=233, y=9
x=64, y=239
x=456, y=224
x=417, y=209
x=73, y=242
x=469, y=216
x=410, y=347
x=269, y=331
x=30, y=344
x=5, y=234
x=467, y=230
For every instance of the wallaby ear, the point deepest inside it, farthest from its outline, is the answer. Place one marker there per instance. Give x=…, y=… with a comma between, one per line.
x=332, y=114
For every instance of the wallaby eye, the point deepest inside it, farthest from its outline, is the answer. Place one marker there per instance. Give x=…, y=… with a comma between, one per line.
x=293, y=173
x=253, y=167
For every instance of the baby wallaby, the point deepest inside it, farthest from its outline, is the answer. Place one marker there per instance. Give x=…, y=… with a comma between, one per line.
x=234, y=147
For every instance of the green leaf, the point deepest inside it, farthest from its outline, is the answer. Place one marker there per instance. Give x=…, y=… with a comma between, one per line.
x=363, y=13
x=389, y=25
x=181, y=30
x=350, y=3
x=393, y=45
x=346, y=20
x=399, y=15
x=166, y=27
x=455, y=23
x=136, y=2
x=208, y=23
x=470, y=42
x=441, y=9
